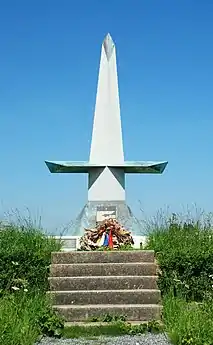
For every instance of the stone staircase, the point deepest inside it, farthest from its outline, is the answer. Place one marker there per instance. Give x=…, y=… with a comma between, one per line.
x=85, y=285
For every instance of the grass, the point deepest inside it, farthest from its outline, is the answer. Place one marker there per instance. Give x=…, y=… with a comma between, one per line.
x=25, y=311
x=16, y=324
x=23, y=317
x=25, y=255
x=184, y=251
x=114, y=328
x=188, y=323
x=111, y=329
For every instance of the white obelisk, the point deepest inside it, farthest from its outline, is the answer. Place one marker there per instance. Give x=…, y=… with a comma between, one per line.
x=107, y=184
x=106, y=167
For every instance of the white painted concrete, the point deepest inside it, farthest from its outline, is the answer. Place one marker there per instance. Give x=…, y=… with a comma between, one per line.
x=106, y=184
x=107, y=143
x=71, y=243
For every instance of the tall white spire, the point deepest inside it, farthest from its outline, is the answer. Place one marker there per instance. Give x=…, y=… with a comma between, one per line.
x=107, y=143
x=106, y=167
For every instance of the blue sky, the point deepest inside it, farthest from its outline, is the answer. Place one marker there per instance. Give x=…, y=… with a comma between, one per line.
x=49, y=59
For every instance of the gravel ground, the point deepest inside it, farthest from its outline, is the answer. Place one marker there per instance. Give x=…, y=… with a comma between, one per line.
x=148, y=339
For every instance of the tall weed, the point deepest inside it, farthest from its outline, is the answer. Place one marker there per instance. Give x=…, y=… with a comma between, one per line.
x=25, y=255
x=25, y=310
x=185, y=255
x=188, y=323
x=26, y=316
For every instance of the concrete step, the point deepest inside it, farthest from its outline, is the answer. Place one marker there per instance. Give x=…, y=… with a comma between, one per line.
x=132, y=312
x=102, y=283
x=104, y=257
x=106, y=297
x=104, y=269
x=103, y=323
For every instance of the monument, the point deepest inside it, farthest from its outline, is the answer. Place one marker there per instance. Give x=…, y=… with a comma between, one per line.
x=106, y=167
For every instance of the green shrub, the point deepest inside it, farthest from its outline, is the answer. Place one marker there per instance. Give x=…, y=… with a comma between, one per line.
x=25, y=256
x=185, y=256
x=184, y=252
x=48, y=321
x=25, y=310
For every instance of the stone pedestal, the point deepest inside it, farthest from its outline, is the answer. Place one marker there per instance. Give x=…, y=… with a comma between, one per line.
x=94, y=212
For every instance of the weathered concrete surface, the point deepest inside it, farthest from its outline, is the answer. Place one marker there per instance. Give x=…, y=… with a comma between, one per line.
x=104, y=269
x=102, y=283
x=90, y=284
x=106, y=297
x=104, y=257
x=133, y=312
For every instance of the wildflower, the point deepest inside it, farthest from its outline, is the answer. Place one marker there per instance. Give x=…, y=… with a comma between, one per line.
x=15, y=263
x=15, y=288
